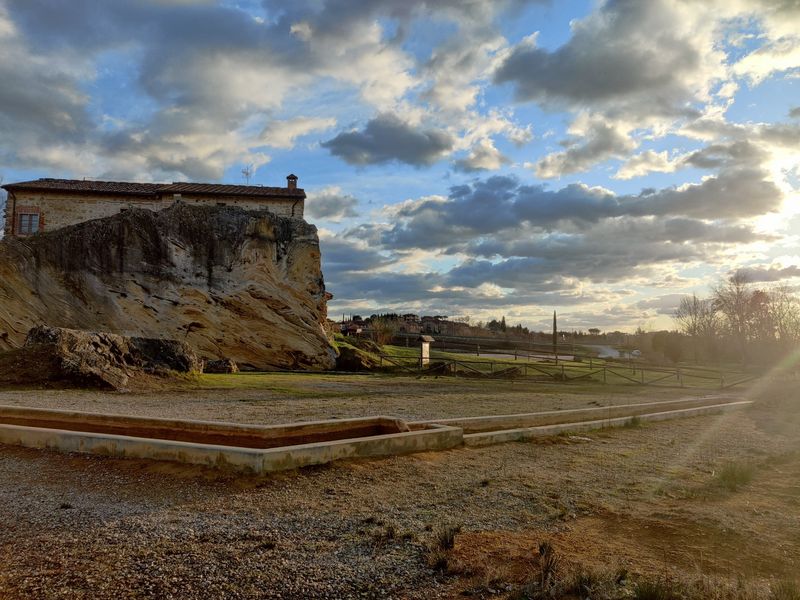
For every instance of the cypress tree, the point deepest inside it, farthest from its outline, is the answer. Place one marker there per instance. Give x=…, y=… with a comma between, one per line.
x=555, y=334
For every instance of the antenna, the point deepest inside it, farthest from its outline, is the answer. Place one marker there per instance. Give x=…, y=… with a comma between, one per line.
x=247, y=173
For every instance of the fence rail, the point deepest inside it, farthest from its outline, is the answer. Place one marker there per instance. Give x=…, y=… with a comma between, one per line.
x=635, y=374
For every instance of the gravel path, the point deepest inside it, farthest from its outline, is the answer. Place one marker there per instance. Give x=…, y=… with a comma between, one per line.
x=282, y=398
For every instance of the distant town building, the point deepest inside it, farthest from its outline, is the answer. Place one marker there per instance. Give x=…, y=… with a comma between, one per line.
x=46, y=204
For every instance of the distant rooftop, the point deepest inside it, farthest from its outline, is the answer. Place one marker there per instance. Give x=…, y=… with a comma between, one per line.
x=86, y=186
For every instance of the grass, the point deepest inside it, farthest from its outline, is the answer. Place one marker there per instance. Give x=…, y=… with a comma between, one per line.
x=633, y=423
x=549, y=582
x=734, y=475
x=785, y=590
x=615, y=373
x=658, y=589
x=444, y=540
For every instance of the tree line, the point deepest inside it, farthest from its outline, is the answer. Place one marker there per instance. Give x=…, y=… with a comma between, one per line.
x=741, y=322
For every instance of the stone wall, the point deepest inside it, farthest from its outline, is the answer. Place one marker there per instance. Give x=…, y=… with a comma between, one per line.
x=57, y=210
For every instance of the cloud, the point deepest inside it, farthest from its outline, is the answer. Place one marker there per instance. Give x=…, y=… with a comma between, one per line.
x=343, y=256
x=794, y=113
x=727, y=154
x=647, y=162
x=769, y=273
x=663, y=305
x=614, y=61
x=501, y=205
x=282, y=134
x=511, y=244
x=331, y=204
x=386, y=138
x=600, y=142
x=779, y=55
x=483, y=157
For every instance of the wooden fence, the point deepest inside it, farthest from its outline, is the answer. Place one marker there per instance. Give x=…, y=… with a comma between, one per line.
x=563, y=372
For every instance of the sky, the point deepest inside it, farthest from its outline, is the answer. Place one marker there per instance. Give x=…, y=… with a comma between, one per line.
x=461, y=157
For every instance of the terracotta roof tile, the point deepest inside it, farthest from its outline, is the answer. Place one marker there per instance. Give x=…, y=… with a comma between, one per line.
x=150, y=189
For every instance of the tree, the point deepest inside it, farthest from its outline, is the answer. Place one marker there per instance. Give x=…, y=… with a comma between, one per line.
x=785, y=312
x=3, y=200
x=669, y=344
x=555, y=334
x=732, y=299
x=383, y=329
x=503, y=327
x=698, y=319
x=761, y=326
x=594, y=331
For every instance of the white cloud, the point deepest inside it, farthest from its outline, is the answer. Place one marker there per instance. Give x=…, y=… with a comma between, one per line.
x=282, y=134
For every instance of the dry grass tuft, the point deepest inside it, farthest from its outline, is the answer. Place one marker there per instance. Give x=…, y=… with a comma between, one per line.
x=734, y=475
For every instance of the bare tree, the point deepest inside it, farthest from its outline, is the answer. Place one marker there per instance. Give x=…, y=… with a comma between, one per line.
x=733, y=298
x=698, y=318
x=383, y=329
x=785, y=313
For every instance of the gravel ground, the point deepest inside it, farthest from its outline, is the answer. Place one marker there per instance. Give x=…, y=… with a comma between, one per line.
x=282, y=398
x=92, y=527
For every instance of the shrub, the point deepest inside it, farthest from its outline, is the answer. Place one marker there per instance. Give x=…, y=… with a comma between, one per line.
x=446, y=536
x=549, y=564
x=733, y=475
x=633, y=423
x=444, y=540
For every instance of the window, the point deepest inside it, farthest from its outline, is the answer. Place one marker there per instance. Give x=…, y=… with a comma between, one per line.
x=28, y=224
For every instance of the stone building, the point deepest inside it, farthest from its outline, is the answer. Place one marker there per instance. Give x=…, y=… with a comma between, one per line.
x=47, y=204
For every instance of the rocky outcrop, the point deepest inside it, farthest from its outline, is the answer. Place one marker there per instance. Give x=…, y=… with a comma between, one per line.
x=245, y=285
x=53, y=355
x=223, y=365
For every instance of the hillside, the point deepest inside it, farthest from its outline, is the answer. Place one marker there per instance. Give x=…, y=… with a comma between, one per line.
x=231, y=283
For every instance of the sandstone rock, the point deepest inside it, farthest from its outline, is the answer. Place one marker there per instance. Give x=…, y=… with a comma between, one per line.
x=230, y=282
x=94, y=359
x=223, y=365
x=353, y=359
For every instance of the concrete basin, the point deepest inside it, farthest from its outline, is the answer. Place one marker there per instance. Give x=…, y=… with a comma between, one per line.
x=249, y=448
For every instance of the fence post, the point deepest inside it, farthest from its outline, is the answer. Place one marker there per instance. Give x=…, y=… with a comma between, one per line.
x=590, y=363
x=477, y=349
x=563, y=375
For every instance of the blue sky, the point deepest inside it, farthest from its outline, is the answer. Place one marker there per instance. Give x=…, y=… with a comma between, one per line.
x=460, y=157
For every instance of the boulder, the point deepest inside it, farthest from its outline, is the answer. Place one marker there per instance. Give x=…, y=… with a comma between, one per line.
x=223, y=365
x=94, y=359
x=352, y=359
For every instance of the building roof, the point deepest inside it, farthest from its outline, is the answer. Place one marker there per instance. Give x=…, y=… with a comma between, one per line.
x=126, y=188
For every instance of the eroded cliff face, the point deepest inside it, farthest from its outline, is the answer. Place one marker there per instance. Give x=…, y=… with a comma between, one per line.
x=245, y=285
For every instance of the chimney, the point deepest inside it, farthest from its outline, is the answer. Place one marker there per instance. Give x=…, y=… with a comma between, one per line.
x=291, y=182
